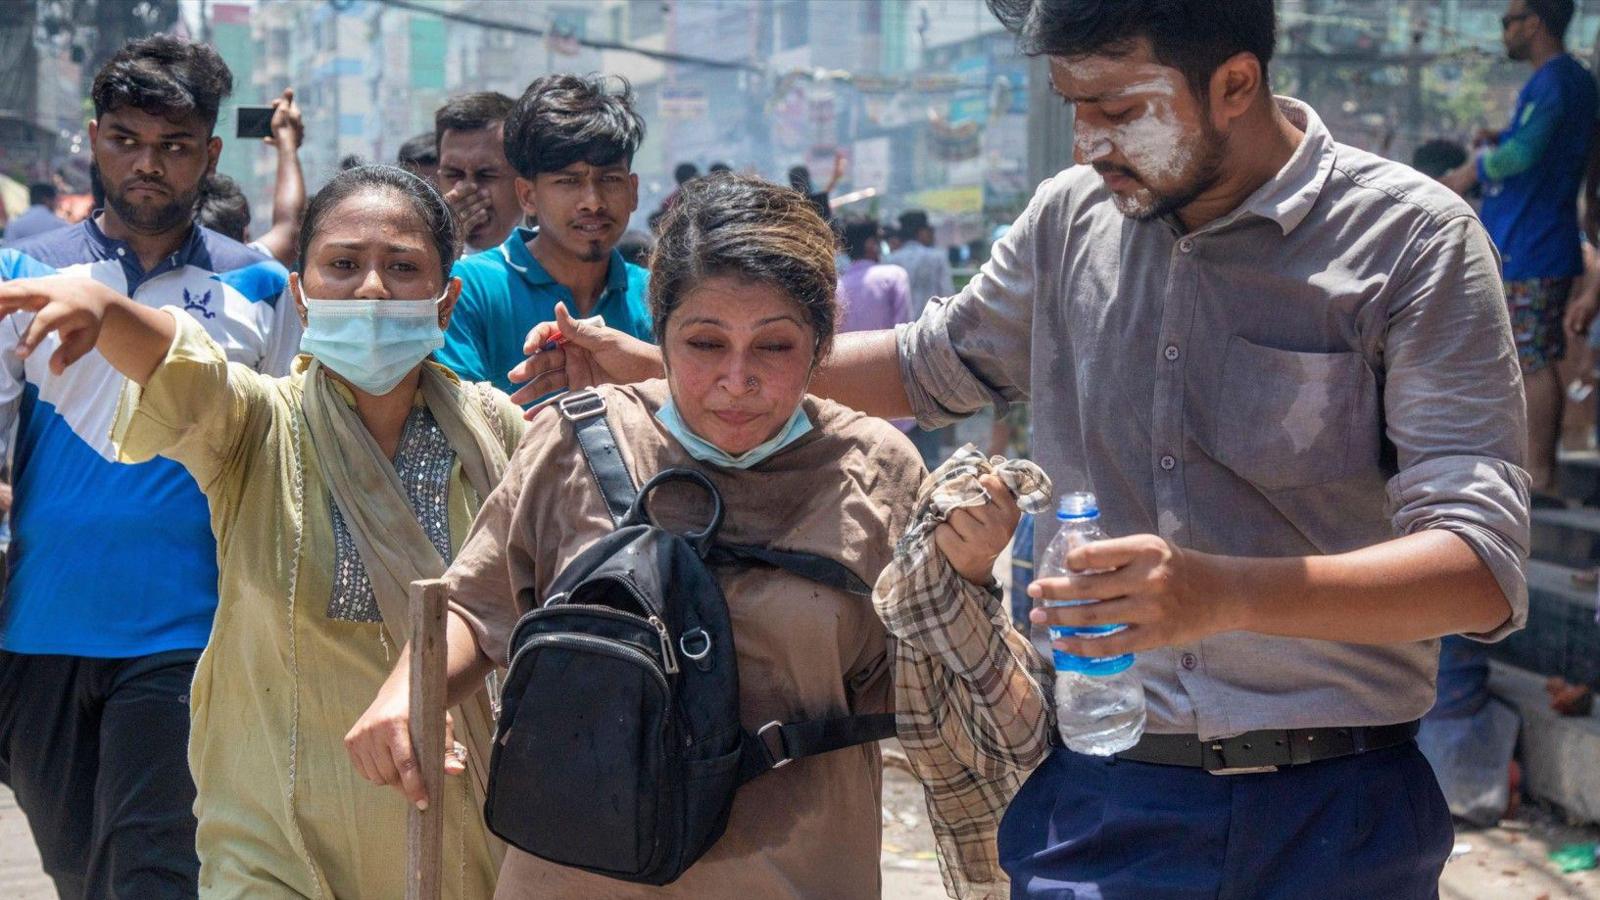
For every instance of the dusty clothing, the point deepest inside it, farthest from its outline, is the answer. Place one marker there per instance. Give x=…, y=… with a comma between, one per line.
x=844, y=491
x=972, y=696
x=282, y=812
x=1325, y=368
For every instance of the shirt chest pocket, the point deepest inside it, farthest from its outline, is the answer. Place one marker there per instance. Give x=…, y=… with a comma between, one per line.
x=1287, y=419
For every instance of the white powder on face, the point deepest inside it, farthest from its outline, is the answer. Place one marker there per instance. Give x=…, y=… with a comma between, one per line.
x=1153, y=142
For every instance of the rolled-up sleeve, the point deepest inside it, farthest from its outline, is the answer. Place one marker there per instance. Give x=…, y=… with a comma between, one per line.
x=1454, y=409
x=973, y=350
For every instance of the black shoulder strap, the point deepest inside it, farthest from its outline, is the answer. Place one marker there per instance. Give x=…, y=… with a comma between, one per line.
x=820, y=569
x=586, y=410
x=776, y=745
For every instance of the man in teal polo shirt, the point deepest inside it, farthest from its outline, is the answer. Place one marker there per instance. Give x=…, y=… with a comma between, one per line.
x=571, y=140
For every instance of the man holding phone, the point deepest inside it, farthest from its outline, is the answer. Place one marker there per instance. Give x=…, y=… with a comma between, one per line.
x=113, y=567
x=280, y=126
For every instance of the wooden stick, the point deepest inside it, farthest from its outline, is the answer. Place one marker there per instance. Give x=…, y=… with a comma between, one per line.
x=425, y=828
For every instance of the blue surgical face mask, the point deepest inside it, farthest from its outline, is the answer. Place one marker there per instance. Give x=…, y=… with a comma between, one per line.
x=705, y=451
x=372, y=344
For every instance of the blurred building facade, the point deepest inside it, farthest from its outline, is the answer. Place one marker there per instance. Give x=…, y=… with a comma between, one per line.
x=907, y=90
x=926, y=98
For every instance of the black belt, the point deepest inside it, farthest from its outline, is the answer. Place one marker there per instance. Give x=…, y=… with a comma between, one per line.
x=1265, y=751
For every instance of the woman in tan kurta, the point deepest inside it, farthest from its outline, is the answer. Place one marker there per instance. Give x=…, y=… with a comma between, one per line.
x=741, y=290
x=300, y=644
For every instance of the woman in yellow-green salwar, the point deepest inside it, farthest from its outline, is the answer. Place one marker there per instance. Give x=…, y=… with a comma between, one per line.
x=330, y=490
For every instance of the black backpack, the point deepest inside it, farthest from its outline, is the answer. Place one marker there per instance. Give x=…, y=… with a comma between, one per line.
x=619, y=747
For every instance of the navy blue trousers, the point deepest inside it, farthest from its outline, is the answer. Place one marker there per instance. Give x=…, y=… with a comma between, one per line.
x=1364, y=826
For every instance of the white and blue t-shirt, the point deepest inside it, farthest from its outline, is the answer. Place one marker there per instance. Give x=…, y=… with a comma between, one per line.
x=113, y=560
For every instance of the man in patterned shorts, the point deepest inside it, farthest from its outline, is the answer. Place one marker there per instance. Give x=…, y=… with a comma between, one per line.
x=1530, y=174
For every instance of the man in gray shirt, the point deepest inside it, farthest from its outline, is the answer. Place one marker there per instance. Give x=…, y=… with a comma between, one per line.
x=927, y=265
x=1286, y=368
x=39, y=217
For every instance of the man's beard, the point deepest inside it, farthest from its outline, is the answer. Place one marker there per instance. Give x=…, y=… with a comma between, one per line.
x=586, y=248
x=1148, y=203
x=154, y=219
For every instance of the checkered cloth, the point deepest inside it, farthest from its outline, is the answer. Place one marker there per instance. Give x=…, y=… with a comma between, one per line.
x=972, y=696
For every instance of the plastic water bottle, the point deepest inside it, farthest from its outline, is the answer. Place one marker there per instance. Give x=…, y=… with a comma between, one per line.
x=1099, y=700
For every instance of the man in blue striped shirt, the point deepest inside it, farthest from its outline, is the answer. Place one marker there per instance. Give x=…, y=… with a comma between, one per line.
x=113, y=567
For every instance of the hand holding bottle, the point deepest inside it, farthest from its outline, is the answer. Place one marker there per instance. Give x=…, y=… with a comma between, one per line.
x=1164, y=594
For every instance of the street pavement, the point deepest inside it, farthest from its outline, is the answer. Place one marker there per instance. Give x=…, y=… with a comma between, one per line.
x=1504, y=863
x=20, y=875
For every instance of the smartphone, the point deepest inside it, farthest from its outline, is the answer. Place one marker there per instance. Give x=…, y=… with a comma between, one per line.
x=254, y=121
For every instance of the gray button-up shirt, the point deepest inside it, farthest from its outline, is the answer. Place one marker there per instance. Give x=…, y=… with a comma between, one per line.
x=1323, y=369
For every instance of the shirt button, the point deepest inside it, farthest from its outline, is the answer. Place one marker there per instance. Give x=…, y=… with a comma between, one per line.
x=1186, y=245
x=122, y=251
x=1168, y=463
x=1189, y=661
x=1171, y=352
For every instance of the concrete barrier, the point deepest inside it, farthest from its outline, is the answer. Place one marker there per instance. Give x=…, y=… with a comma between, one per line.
x=1560, y=754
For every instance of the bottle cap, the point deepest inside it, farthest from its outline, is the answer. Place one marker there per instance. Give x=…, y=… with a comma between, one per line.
x=1077, y=505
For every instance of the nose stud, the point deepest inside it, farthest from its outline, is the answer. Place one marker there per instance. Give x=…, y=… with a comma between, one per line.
x=751, y=383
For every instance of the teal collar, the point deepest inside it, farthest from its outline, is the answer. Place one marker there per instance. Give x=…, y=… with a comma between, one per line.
x=517, y=255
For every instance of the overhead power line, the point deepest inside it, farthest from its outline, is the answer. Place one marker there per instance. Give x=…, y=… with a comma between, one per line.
x=535, y=31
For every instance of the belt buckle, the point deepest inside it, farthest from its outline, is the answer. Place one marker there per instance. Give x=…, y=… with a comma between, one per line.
x=1244, y=770
x=1216, y=747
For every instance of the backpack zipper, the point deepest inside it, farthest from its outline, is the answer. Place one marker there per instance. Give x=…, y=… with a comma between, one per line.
x=669, y=661
x=667, y=656
x=604, y=645
x=578, y=609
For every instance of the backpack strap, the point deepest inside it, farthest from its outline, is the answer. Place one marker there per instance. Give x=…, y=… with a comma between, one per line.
x=586, y=410
x=775, y=744
x=824, y=571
